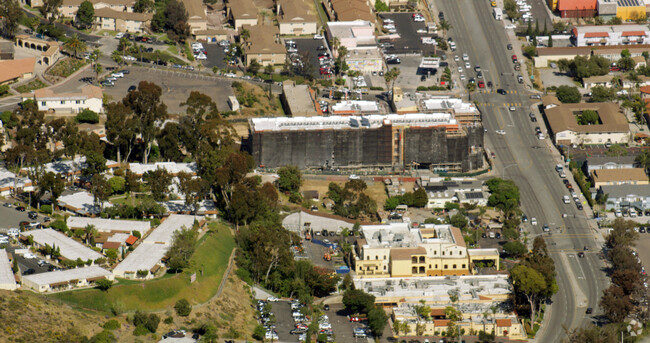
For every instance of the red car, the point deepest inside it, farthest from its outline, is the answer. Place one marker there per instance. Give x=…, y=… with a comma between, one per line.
x=355, y=319
x=301, y=326
x=514, y=58
x=481, y=84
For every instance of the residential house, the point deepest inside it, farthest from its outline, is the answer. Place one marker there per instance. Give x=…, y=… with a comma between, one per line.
x=639, y=61
x=64, y=280
x=242, y=12
x=90, y=97
x=69, y=8
x=440, y=192
x=16, y=70
x=108, y=19
x=600, y=80
x=590, y=35
x=609, y=162
x=196, y=15
x=297, y=17
x=550, y=101
x=645, y=92
x=612, y=126
x=611, y=177
x=264, y=46
x=9, y=183
x=627, y=196
x=402, y=250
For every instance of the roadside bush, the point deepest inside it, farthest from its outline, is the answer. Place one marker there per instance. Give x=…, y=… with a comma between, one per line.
x=112, y=325
x=46, y=209
x=183, y=307
x=87, y=116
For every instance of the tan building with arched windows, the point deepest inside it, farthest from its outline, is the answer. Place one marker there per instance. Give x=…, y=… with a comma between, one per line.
x=405, y=250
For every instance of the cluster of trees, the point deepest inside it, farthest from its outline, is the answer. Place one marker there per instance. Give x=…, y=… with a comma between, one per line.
x=289, y=182
x=581, y=66
x=350, y=200
x=145, y=323
x=505, y=196
x=11, y=13
x=182, y=249
x=170, y=17
x=357, y=301
x=412, y=199
x=568, y=94
x=588, y=117
x=534, y=279
x=621, y=298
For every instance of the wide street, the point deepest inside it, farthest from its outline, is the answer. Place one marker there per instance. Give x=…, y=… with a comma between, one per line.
x=530, y=162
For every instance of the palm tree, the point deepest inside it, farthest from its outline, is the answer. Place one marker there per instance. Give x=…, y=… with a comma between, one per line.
x=75, y=46
x=89, y=233
x=391, y=76
x=244, y=35
x=444, y=26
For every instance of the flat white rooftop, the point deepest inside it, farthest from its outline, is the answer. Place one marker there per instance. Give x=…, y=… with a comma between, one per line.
x=448, y=104
x=70, y=248
x=352, y=122
x=153, y=248
x=81, y=202
x=171, y=167
x=68, y=275
x=102, y=224
x=355, y=106
x=7, y=280
x=403, y=235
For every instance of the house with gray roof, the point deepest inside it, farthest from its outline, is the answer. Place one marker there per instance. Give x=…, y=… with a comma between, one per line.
x=626, y=196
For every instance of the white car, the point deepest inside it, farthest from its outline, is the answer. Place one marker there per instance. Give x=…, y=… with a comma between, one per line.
x=418, y=19
x=467, y=65
x=465, y=57
x=566, y=199
x=326, y=325
x=231, y=75
x=512, y=109
x=318, y=36
x=119, y=35
x=201, y=57
x=511, y=26
x=460, y=69
x=618, y=213
x=29, y=255
x=118, y=74
x=272, y=299
x=501, y=132
x=462, y=77
x=533, y=221
x=456, y=58
x=271, y=335
x=540, y=136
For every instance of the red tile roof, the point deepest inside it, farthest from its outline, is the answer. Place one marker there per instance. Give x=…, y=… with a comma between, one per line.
x=596, y=34
x=438, y=312
x=567, y=5
x=633, y=33
x=111, y=245
x=504, y=323
x=131, y=240
x=441, y=322
x=645, y=89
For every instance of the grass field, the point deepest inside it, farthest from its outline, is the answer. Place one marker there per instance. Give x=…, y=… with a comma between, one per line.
x=211, y=257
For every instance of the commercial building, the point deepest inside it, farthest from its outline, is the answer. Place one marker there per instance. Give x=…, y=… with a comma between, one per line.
x=352, y=34
x=612, y=177
x=298, y=100
x=296, y=17
x=576, y=8
x=264, y=45
x=365, y=59
x=147, y=255
x=355, y=107
x=631, y=9
x=405, y=250
x=69, y=8
x=612, y=126
x=16, y=70
x=108, y=19
x=64, y=280
x=196, y=16
x=172, y=168
x=109, y=225
x=242, y=12
x=465, y=112
x=7, y=279
x=90, y=97
x=348, y=10
x=590, y=35
x=627, y=196
x=70, y=249
x=433, y=140
x=467, y=191
x=610, y=52
x=609, y=162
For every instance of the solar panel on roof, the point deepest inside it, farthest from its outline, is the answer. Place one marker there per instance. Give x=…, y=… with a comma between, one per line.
x=474, y=195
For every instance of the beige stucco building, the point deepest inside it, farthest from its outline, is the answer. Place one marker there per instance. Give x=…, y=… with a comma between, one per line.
x=107, y=19
x=402, y=250
x=263, y=45
x=196, y=16
x=296, y=17
x=69, y=8
x=613, y=177
x=242, y=12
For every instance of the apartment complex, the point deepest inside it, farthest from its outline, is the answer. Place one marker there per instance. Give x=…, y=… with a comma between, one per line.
x=565, y=127
x=90, y=97
x=264, y=45
x=108, y=19
x=242, y=12
x=296, y=17
x=69, y=8
x=406, y=250
x=590, y=35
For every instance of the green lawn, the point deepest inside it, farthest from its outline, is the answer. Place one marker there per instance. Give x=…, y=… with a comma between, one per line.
x=211, y=256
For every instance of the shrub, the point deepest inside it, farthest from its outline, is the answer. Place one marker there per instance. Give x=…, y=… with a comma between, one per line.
x=104, y=284
x=87, y=116
x=118, y=184
x=103, y=337
x=112, y=325
x=46, y=209
x=137, y=234
x=183, y=307
x=140, y=331
x=169, y=320
x=259, y=332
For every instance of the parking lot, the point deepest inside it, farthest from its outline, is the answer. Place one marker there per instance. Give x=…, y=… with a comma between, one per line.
x=308, y=47
x=11, y=218
x=215, y=56
x=410, y=39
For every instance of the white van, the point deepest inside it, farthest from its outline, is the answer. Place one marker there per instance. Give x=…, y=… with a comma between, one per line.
x=566, y=199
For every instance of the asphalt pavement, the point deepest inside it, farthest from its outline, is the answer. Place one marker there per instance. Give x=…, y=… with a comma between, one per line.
x=522, y=157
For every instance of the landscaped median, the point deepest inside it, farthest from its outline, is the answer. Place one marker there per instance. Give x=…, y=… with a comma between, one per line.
x=209, y=262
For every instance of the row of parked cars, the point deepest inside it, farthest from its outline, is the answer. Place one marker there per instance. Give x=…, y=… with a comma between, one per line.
x=266, y=319
x=110, y=80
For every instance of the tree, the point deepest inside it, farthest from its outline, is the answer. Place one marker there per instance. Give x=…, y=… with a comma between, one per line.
x=290, y=179
x=104, y=284
x=85, y=14
x=89, y=234
x=420, y=198
x=118, y=184
x=530, y=50
x=588, y=117
x=191, y=188
x=95, y=163
x=87, y=116
x=530, y=284
x=568, y=94
x=148, y=109
x=616, y=305
x=100, y=190
x=50, y=9
x=602, y=94
x=626, y=63
x=254, y=66
x=176, y=21
x=458, y=220
x=143, y=6
x=444, y=26
x=181, y=249
x=11, y=14
x=390, y=77
x=377, y=320
x=75, y=45
x=516, y=249
x=259, y=332
x=159, y=181
x=550, y=40
x=183, y=307
x=511, y=10
x=381, y=6
x=357, y=301
x=121, y=129
x=103, y=336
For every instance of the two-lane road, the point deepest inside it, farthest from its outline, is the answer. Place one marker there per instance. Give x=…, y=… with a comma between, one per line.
x=530, y=162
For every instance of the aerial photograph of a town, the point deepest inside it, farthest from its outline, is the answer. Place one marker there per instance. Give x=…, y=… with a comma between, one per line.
x=347, y=171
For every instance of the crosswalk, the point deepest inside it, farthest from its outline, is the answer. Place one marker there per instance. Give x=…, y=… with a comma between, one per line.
x=505, y=104
x=488, y=91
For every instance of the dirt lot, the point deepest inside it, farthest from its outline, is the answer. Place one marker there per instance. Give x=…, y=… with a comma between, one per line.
x=376, y=190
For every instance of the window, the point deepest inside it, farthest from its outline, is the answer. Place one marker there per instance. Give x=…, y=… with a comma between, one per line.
x=414, y=259
x=77, y=102
x=384, y=257
x=451, y=253
x=414, y=270
x=376, y=267
x=422, y=259
x=376, y=257
x=421, y=270
x=62, y=102
x=454, y=266
x=384, y=267
x=429, y=266
x=446, y=266
x=43, y=103
x=460, y=253
x=464, y=266
x=436, y=266
x=443, y=253
x=435, y=252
